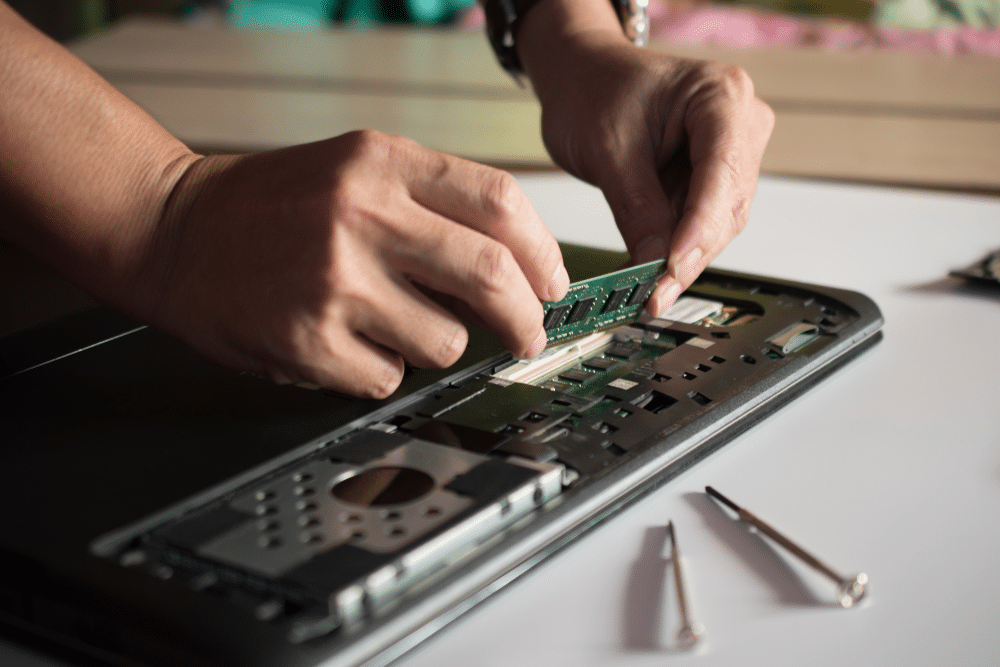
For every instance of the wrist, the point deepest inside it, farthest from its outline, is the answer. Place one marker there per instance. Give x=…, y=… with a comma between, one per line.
x=551, y=38
x=175, y=225
x=557, y=20
x=123, y=260
x=561, y=19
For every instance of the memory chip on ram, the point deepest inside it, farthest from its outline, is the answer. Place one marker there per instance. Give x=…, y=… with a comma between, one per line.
x=601, y=302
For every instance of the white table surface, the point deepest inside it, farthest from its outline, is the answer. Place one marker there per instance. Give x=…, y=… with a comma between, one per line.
x=891, y=466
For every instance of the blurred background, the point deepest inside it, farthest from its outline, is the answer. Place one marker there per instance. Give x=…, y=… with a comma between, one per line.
x=944, y=26
x=881, y=92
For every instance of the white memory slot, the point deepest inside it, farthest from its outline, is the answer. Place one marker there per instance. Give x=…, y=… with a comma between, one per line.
x=691, y=309
x=556, y=358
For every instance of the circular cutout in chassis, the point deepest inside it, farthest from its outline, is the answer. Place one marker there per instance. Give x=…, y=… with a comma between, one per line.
x=377, y=487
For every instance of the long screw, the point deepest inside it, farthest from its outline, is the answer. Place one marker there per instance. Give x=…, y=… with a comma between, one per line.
x=850, y=589
x=690, y=632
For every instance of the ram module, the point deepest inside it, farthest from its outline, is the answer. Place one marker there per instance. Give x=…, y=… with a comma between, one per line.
x=601, y=302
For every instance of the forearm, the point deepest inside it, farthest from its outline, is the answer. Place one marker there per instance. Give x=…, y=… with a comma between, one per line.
x=84, y=173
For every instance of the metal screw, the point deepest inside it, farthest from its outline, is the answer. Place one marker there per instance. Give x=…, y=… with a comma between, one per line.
x=690, y=632
x=850, y=589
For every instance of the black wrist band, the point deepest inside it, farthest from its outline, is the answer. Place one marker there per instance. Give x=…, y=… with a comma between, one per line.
x=503, y=16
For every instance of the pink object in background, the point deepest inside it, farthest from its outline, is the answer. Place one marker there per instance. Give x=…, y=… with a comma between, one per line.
x=741, y=28
x=961, y=39
x=736, y=27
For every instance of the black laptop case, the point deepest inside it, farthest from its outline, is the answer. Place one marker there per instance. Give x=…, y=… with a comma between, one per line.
x=160, y=510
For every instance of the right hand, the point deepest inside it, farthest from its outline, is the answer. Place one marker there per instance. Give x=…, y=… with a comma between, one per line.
x=333, y=262
x=675, y=144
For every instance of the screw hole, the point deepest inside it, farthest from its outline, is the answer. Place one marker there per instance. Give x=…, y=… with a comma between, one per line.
x=270, y=542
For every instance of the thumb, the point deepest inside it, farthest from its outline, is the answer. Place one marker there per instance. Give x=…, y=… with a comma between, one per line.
x=646, y=214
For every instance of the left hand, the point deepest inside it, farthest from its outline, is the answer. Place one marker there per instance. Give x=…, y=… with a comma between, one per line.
x=675, y=144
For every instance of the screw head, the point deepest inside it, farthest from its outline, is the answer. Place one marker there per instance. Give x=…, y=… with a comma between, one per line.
x=690, y=636
x=852, y=590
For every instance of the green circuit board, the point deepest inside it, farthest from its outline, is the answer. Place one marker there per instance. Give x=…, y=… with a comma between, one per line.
x=601, y=302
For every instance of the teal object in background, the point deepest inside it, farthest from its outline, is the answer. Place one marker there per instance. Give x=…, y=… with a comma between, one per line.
x=436, y=11
x=288, y=14
x=315, y=14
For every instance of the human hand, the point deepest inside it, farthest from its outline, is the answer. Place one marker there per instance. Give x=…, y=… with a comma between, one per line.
x=333, y=262
x=674, y=144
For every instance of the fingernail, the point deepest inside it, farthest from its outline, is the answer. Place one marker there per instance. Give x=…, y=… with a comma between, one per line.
x=536, y=347
x=663, y=297
x=650, y=248
x=687, y=268
x=559, y=284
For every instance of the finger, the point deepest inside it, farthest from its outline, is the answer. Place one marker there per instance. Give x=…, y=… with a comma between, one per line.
x=491, y=202
x=363, y=368
x=728, y=129
x=675, y=180
x=463, y=311
x=628, y=172
x=480, y=271
x=348, y=363
x=646, y=207
x=405, y=320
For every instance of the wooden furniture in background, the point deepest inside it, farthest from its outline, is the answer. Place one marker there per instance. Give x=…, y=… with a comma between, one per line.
x=879, y=116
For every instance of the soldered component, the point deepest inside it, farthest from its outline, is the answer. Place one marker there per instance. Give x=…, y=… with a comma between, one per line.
x=601, y=303
x=623, y=351
x=616, y=298
x=554, y=317
x=576, y=375
x=600, y=363
x=640, y=292
x=580, y=310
